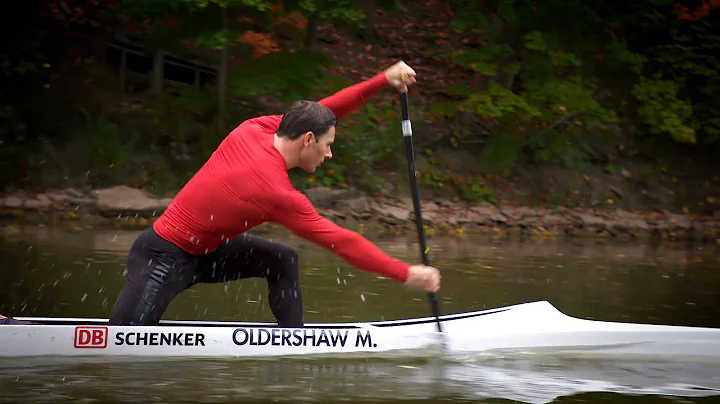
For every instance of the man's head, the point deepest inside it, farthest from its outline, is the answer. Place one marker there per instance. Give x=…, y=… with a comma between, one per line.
x=312, y=127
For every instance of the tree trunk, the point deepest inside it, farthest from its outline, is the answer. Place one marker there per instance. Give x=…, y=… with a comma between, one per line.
x=311, y=33
x=504, y=78
x=370, y=9
x=158, y=73
x=123, y=71
x=507, y=79
x=222, y=75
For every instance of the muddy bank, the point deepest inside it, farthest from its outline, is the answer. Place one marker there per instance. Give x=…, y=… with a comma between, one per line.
x=124, y=207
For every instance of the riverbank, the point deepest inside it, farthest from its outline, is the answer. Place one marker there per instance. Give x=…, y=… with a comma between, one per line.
x=130, y=208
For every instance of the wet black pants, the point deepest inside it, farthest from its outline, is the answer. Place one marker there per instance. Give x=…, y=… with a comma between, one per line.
x=158, y=270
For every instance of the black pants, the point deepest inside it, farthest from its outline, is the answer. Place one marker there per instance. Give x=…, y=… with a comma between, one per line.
x=12, y=321
x=158, y=270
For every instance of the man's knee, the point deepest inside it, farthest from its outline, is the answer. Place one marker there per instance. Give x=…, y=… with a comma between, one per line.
x=285, y=265
x=290, y=257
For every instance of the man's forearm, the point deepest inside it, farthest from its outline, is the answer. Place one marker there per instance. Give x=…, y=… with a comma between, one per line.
x=351, y=98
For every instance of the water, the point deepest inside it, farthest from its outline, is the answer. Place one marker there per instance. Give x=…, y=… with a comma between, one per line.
x=56, y=273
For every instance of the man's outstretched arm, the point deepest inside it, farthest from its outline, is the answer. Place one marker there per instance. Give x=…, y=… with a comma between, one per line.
x=295, y=212
x=351, y=98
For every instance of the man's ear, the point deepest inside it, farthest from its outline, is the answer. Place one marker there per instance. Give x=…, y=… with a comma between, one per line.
x=307, y=138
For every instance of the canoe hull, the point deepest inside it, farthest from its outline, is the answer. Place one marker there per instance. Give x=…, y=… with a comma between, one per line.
x=525, y=329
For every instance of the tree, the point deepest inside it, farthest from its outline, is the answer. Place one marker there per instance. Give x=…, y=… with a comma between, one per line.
x=547, y=74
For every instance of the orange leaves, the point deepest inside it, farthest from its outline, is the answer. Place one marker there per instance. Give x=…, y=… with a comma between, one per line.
x=281, y=16
x=703, y=11
x=295, y=19
x=262, y=44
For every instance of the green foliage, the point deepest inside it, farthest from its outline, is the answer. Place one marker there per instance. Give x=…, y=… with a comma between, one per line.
x=501, y=153
x=662, y=111
x=332, y=174
x=262, y=5
x=557, y=97
x=687, y=57
x=374, y=139
x=551, y=146
x=94, y=148
x=498, y=102
x=546, y=78
x=338, y=12
x=269, y=75
x=623, y=56
x=433, y=178
x=546, y=73
x=12, y=127
x=474, y=190
x=98, y=141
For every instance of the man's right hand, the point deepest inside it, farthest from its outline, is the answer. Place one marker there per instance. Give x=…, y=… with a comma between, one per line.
x=423, y=277
x=400, y=76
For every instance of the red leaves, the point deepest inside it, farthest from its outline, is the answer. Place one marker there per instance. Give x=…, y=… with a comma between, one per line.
x=262, y=43
x=703, y=11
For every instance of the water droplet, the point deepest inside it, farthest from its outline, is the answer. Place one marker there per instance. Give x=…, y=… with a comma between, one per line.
x=212, y=217
x=362, y=297
x=83, y=298
x=338, y=279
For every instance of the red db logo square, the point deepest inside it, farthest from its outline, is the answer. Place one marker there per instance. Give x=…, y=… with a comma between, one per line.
x=91, y=337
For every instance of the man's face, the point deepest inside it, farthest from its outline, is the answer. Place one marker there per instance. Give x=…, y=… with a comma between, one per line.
x=315, y=150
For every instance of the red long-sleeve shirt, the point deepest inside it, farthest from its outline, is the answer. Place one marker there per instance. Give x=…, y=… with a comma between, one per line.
x=245, y=183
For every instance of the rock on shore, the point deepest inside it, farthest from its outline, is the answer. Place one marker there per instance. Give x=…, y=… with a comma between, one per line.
x=358, y=211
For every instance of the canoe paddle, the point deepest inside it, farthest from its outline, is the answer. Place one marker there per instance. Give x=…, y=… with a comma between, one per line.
x=424, y=250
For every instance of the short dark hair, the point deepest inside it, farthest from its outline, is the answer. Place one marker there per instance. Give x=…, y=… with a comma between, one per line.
x=306, y=116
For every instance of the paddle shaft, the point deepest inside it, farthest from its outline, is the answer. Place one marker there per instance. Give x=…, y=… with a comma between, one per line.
x=424, y=250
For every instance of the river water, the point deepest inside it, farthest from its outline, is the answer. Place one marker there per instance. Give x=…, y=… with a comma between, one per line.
x=57, y=273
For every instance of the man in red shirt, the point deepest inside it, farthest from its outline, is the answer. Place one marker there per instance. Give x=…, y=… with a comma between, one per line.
x=202, y=236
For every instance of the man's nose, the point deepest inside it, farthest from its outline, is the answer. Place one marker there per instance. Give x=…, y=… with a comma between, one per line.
x=328, y=154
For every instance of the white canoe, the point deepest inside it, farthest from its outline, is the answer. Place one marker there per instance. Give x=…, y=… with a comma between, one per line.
x=529, y=328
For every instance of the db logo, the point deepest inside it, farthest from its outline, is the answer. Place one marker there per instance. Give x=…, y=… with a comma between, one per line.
x=91, y=337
